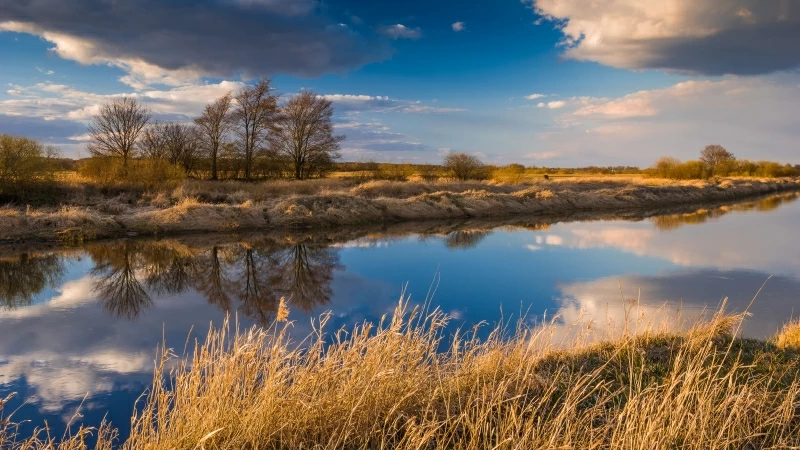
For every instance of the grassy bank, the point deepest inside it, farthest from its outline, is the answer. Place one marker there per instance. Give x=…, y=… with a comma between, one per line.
x=390, y=385
x=197, y=206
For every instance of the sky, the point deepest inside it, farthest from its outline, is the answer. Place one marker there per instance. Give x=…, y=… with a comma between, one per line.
x=539, y=82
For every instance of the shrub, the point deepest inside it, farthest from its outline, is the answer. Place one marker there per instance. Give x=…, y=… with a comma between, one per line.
x=395, y=172
x=512, y=173
x=463, y=166
x=27, y=169
x=145, y=173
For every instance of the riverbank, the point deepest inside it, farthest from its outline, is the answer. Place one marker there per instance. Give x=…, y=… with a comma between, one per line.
x=326, y=204
x=403, y=384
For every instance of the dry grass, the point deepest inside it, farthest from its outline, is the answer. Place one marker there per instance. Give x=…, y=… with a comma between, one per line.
x=230, y=205
x=789, y=336
x=402, y=384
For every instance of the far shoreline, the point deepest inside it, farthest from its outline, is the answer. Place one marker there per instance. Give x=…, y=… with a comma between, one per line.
x=203, y=207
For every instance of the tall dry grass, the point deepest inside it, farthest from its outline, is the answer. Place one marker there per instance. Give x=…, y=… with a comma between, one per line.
x=404, y=384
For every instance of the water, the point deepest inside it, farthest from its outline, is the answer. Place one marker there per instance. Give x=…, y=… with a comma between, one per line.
x=79, y=327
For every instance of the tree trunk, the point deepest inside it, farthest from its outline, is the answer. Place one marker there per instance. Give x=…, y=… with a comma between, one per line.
x=214, y=164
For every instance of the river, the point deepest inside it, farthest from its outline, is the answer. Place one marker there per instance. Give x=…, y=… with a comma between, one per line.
x=79, y=327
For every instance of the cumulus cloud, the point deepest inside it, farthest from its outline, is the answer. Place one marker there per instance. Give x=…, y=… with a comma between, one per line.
x=752, y=116
x=711, y=37
x=534, y=96
x=459, y=27
x=553, y=105
x=51, y=101
x=176, y=42
x=400, y=31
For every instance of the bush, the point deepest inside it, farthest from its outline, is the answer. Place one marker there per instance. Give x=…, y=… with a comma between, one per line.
x=512, y=173
x=463, y=166
x=27, y=169
x=144, y=173
x=24, y=160
x=395, y=172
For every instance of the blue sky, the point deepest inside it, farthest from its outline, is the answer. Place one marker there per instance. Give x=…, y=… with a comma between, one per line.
x=542, y=82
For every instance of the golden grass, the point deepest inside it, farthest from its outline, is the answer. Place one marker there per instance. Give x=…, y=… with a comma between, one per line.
x=789, y=336
x=403, y=384
x=232, y=205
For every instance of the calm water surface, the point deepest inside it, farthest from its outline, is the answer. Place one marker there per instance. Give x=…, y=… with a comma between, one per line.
x=80, y=326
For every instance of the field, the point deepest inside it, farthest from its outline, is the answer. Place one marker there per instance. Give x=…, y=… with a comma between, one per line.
x=89, y=212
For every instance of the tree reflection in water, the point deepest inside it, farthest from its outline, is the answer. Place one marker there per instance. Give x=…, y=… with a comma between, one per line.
x=674, y=221
x=116, y=283
x=21, y=279
x=247, y=277
x=254, y=275
x=464, y=240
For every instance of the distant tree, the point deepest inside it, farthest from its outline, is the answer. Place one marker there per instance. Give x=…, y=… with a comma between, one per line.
x=214, y=124
x=254, y=117
x=116, y=129
x=463, y=166
x=716, y=156
x=23, y=160
x=666, y=167
x=304, y=134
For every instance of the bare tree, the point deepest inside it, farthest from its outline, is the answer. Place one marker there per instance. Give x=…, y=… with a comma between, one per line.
x=254, y=118
x=116, y=129
x=214, y=124
x=463, y=166
x=151, y=144
x=304, y=134
x=715, y=156
x=182, y=145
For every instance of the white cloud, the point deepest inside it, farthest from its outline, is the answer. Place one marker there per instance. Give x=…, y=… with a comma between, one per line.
x=752, y=116
x=56, y=101
x=534, y=96
x=459, y=26
x=349, y=102
x=46, y=72
x=710, y=36
x=400, y=31
x=558, y=104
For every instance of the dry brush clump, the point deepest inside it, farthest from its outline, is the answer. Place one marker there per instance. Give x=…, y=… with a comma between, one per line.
x=405, y=384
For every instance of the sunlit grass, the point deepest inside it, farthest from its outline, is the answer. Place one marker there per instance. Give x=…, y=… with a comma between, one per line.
x=405, y=384
x=231, y=205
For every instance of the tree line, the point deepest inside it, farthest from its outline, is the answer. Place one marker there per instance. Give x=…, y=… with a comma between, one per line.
x=716, y=161
x=246, y=135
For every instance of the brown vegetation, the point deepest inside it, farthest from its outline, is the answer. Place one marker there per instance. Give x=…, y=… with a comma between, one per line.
x=196, y=206
x=404, y=384
x=716, y=161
